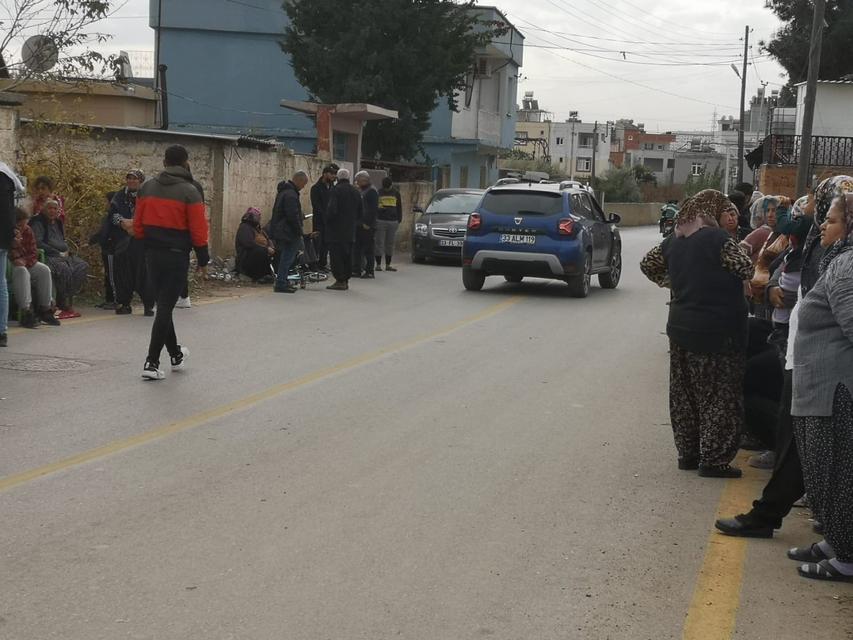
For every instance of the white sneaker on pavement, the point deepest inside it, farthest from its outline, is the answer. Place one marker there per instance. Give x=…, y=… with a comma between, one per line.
x=183, y=303
x=179, y=362
x=152, y=371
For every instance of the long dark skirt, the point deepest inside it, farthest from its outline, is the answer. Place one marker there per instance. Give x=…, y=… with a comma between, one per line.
x=706, y=404
x=826, y=447
x=69, y=276
x=255, y=263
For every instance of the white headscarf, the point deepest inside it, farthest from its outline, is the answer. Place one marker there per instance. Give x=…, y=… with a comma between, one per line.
x=6, y=170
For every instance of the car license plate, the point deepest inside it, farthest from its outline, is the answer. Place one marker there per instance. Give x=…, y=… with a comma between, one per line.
x=450, y=243
x=512, y=238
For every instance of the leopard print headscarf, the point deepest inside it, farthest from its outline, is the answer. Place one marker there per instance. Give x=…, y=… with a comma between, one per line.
x=702, y=210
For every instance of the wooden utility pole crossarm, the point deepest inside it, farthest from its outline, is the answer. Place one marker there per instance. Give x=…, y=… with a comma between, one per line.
x=811, y=96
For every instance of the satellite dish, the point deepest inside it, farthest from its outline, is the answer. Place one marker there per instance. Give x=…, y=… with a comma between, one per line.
x=39, y=54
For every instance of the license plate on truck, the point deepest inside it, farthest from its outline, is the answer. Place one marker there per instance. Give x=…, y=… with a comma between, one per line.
x=512, y=238
x=450, y=243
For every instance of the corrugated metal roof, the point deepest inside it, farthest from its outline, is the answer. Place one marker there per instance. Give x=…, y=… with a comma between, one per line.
x=238, y=140
x=800, y=84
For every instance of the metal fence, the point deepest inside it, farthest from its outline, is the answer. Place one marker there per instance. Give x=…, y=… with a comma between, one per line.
x=827, y=151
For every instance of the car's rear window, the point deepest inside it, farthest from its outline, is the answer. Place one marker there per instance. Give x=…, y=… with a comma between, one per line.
x=526, y=203
x=454, y=203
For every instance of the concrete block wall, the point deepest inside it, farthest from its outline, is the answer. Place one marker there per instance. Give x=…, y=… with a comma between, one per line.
x=412, y=194
x=635, y=214
x=781, y=180
x=8, y=135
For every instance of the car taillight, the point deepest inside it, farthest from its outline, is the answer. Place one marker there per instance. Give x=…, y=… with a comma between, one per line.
x=566, y=226
x=474, y=222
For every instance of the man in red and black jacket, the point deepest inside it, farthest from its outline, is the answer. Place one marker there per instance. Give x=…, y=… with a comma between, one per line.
x=170, y=219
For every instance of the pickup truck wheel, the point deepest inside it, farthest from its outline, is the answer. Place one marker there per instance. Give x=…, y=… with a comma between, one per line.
x=473, y=279
x=514, y=279
x=579, y=285
x=610, y=279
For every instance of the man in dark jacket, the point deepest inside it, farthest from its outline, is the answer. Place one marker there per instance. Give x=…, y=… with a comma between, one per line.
x=320, y=193
x=8, y=184
x=345, y=211
x=126, y=255
x=362, y=258
x=286, y=227
x=387, y=222
x=170, y=218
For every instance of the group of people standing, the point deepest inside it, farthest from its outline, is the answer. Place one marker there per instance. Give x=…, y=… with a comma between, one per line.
x=354, y=227
x=791, y=277
x=44, y=272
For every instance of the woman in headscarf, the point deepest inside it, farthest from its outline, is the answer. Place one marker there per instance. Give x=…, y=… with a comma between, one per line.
x=767, y=214
x=254, y=248
x=822, y=402
x=707, y=329
x=763, y=221
x=727, y=219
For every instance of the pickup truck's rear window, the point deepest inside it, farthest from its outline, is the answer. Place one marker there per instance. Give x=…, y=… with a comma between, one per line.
x=523, y=203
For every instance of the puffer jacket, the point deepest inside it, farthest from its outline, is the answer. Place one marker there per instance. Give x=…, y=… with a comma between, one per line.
x=170, y=214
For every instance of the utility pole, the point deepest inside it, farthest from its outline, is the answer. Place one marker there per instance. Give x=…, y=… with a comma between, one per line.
x=594, y=151
x=811, y=91
x=740, y=133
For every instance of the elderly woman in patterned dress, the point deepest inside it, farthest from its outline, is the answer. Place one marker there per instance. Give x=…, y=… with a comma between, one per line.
x=707, y=329
x=822, y=403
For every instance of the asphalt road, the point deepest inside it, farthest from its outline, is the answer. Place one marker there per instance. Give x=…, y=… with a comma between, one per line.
x=406, y=460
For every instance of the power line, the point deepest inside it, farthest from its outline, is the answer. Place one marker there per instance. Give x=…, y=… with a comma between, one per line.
x=624, y=60
x=688, y=28
x=628, y=80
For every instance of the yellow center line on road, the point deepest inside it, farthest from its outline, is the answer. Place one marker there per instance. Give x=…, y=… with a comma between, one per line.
x=215, y=413
x=716, y=596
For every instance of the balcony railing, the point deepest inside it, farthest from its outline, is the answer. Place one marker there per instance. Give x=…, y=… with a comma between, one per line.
x=827, y=151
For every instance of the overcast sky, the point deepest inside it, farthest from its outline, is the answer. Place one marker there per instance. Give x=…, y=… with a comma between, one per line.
x=574, y=59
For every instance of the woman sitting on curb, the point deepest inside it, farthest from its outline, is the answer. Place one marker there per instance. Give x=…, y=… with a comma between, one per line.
x=29, y=274
x=69, y=271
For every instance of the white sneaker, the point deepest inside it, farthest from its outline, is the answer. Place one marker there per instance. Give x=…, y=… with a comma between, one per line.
x=179, y=362
x=183, y=303
x=152, y=372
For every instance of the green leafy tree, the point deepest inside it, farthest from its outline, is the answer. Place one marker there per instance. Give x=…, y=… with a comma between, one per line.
x=706, y=180
x=790, y=45
x=618, y=184
x=399, y=54
x=69, y=25
x=644, y=175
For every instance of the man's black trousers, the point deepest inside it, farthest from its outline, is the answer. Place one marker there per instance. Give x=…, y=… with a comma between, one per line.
x=167, y=270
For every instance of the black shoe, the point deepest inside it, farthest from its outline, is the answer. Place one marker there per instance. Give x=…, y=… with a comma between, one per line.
x=726, y=471
x=368, y=276
x=379, y=267
x=338, y=286
x=4, y=340
x=685, y=464
x=48, y=318
x=149, y=313
x=287, y=289
x=743, y=527
x=28, y=319
x=124, y=310
x=388, y=267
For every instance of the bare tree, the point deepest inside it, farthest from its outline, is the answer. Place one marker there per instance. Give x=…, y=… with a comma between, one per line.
x=67, y=25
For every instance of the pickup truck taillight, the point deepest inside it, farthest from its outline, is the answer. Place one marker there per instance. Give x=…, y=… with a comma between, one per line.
x=566, y=227
x=474, y=222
